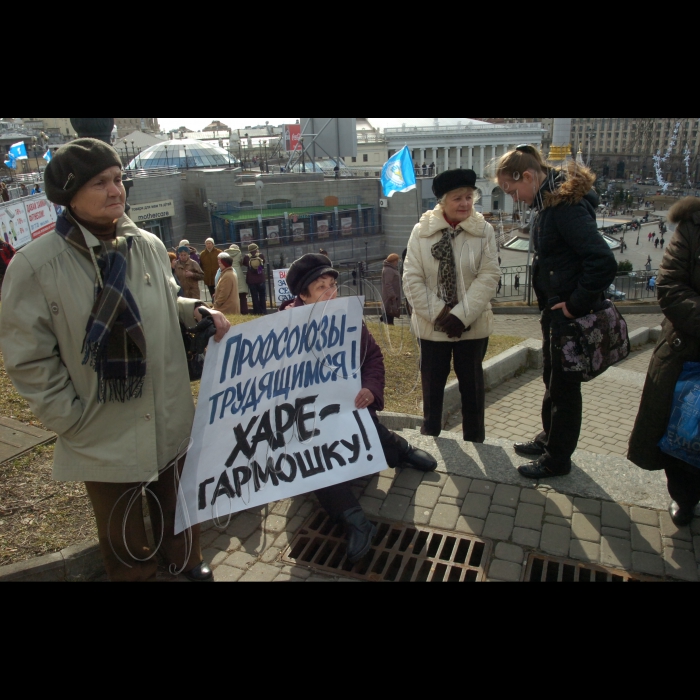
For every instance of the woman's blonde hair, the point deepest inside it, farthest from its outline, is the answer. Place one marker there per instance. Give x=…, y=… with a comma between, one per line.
x=515, y=163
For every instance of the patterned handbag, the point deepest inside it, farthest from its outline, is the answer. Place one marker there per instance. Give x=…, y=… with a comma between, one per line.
x=592, y=344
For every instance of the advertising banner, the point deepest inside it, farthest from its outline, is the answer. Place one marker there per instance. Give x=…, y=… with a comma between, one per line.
x=282, y=293
x=276, y=415
x=346, y=227
x=292, y=137
x=323, y=228
x=154, y=210
x=273, y=235
x=14, y=225
x=298, y=232
x=246, y=235
x=41, y=215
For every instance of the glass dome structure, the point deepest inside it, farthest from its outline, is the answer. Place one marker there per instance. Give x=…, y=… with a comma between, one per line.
x=182, y=154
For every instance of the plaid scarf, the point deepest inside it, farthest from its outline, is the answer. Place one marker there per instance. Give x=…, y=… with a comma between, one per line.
x=115, y=343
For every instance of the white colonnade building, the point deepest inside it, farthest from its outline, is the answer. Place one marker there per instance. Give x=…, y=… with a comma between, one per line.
x=461, y=143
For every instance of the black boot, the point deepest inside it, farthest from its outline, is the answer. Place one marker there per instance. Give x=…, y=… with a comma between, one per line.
x=359, y=532
x=681, y=515
x=418, y=459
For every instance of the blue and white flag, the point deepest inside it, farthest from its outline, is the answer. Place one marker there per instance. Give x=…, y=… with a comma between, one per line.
x=48, y=156
x=18, y=151
x=398, y=174
x=11, y=162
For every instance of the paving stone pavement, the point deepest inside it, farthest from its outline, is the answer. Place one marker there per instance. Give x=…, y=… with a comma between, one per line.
x=528, y=326
x=520, y=517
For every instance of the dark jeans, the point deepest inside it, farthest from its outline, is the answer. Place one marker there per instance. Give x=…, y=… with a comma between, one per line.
x=244, y=303
x=436, y=362
x=562, y=407
x=684, y=485
x=337, y=499
x=258, y=292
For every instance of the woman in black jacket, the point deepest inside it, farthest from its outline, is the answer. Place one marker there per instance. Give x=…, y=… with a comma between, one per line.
x=679, y=295
x=573, y=267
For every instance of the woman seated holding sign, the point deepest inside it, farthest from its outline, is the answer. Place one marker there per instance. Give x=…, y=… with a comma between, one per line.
x=312, y=280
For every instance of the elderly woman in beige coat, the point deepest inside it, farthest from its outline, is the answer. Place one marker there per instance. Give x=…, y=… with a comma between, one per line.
x=90, y=336
x=226, y=299
x=450, y=276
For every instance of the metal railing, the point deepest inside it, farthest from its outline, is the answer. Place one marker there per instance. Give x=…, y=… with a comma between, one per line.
x=633, y=286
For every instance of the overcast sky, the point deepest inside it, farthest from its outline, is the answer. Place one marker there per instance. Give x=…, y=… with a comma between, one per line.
x=197, y=124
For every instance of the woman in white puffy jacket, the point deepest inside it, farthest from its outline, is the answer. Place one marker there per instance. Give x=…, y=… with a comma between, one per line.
x=451, y=274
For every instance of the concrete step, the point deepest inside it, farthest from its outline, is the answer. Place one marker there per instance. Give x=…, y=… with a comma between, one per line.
x=601, y=477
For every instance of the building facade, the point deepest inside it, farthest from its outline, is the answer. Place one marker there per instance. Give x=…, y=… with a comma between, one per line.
x=470, y=145
x=624, y=147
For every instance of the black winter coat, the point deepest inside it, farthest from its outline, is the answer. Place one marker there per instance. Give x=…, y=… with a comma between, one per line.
x=679, y=295
x=573, y=261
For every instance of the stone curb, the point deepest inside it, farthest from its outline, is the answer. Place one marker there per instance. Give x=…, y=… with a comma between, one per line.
x=525, y=355
x=81, y=562
x=534, y=311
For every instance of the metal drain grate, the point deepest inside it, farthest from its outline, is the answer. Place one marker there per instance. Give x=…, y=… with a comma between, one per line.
x=399, y=553
x=543, y=569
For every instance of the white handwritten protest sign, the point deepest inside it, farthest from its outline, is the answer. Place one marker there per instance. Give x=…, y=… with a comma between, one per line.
x=276, y=415
x=282, y=293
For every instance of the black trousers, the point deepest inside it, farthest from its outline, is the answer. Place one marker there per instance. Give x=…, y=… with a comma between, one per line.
x=335, y=500
x=562, y=407
x=436, y=362
x=684, y=485
x=258, y=292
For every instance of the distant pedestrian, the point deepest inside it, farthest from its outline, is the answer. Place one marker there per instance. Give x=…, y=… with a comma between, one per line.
x=24, y=192
x=391, y=290
x=4, y=192
x=662, y=243
x=256, y=278
x=209, y=262
x=36, y=189
x=500, y=285
x=656, y=243
x=517, y=284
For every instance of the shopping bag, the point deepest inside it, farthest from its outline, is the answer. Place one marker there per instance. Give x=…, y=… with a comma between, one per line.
x=682, y=439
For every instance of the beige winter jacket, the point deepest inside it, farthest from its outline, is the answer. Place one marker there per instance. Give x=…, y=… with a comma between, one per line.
x=478, y=272
x=48, y=294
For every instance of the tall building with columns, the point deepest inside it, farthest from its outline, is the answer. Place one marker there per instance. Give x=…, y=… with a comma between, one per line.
x=449, y=143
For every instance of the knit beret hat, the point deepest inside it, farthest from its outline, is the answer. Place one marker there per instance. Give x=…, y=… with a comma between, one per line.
x=183, y=249
x=453, y=180
x=307, y=270
x=74, y=165
x=252, y=248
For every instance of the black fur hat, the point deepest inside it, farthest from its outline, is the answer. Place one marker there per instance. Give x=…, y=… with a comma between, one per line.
x=307, y=270
x=453, y=180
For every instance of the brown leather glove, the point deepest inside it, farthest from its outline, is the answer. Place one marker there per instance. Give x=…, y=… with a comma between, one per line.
x=440, y=320
x=453, y=327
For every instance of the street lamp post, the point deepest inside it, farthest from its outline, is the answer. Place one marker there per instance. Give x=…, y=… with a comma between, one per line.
x=186, y=164
x=167, y=162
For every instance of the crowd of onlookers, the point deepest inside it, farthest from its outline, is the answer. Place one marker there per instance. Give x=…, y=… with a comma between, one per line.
x=228, y=276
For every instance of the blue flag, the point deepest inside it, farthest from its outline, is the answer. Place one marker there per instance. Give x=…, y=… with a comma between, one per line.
x=11, y=162
x=48, y=156
x=18, y=151
x=398, y=174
